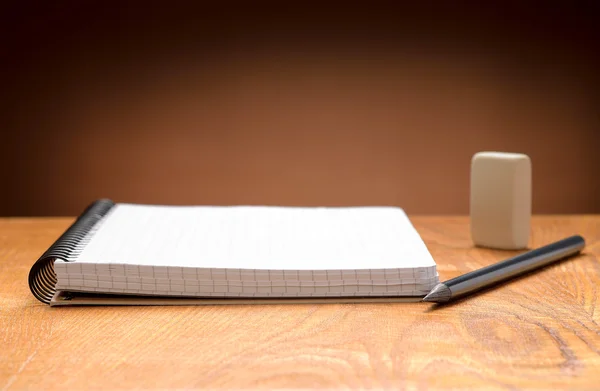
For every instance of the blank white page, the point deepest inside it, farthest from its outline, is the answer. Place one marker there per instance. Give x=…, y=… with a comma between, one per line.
x=257, y=237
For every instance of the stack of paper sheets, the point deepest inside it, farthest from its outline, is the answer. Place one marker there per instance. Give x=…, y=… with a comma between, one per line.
x=251, y=251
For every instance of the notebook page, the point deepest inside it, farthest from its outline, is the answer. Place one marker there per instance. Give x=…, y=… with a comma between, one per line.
x=256, y=237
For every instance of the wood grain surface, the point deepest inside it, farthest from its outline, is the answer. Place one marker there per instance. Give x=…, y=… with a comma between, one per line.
x=538, y=332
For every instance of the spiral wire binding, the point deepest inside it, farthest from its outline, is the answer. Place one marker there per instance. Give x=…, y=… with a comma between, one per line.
x=42, y=278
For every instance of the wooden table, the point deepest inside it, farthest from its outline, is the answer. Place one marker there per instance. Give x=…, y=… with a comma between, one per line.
x=539, y=332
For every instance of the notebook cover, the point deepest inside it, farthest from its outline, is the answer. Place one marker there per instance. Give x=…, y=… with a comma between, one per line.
x=62, y=298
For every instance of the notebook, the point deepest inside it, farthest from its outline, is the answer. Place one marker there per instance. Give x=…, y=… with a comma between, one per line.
x=160, y=254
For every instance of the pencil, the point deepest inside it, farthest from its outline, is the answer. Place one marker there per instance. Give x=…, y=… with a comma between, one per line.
x=504, y=270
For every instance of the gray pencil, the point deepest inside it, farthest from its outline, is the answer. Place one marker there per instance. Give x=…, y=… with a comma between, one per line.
x=504, y=270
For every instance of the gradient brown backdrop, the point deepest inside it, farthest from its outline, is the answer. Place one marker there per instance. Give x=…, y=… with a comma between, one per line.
x=312, y=104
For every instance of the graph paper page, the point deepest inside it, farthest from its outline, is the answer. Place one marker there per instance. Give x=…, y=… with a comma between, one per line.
x=257, y=237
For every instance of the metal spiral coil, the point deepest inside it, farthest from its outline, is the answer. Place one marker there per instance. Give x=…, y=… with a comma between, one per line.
x=42, y=278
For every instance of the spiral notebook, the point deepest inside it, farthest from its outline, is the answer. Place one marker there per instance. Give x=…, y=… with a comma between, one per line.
x=158, y=254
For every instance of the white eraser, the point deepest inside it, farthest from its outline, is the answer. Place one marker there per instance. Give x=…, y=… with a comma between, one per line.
x=500, y=204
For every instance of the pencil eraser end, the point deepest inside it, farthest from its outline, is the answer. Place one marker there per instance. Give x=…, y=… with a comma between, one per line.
x=500, y=200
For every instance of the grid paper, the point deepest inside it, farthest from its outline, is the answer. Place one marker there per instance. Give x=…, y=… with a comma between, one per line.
x=251, y=251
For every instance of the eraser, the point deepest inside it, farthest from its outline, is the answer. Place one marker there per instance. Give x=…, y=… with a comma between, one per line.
x=500, y=200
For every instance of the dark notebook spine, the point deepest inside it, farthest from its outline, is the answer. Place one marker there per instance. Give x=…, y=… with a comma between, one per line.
x=42, y=278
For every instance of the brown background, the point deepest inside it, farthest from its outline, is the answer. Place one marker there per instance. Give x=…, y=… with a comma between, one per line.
x=319, y=104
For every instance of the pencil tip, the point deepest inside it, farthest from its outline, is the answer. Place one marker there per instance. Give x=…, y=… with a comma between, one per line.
x=439, y=294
